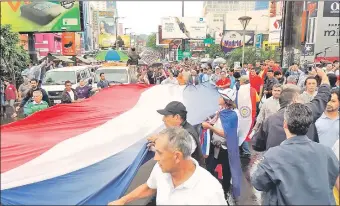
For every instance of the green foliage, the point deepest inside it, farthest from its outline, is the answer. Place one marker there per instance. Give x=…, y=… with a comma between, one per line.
x=151, y=41
x=14, y=58
x=251, y=55
x=214, y=50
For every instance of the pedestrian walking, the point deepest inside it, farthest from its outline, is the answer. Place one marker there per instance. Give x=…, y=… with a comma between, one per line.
x=177, y=178
x=224, y=148
x=271, y=133
x=36, y=105
x=298, y=171
x=69, y=94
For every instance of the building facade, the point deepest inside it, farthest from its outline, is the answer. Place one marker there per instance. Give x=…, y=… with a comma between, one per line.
x=47, y=43
x=225, y=6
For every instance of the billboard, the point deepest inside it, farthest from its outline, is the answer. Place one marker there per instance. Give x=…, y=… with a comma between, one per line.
x=126, y=40
x=196, y=45
x=327, y=30
x=331, y=9
x=166, y=43
x=41, y=16
x=261, y=5
x=275, y=26
x=68, y=41
x=233, y=39
x=107, y=32
x=184, y=28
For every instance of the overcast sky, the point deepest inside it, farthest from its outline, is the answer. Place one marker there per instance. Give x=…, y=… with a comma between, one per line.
x=144, y=16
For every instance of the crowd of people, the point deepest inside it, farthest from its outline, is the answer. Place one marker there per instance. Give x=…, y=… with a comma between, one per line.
x=295, y=123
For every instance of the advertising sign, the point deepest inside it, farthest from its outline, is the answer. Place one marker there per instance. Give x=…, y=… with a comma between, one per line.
x=107, y=32
x=126, y=40
x=184, y=28
x=68, y=44
x=258, y=41
x=77, y=39
x=327, y=30
x=215, y=26
x=275, y=29
x=261, y=5
x=41, y=16
x=233, y=39
x=196, y=45
x=172, y=43
x=331, y=9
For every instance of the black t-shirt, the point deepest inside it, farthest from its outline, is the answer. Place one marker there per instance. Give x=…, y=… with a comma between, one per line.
x=197, y=155
x=151, y=77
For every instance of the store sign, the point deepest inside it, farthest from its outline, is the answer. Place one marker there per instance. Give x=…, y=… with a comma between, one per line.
x=68, y=41
x=308, y=50
x=331, y=9
x=184, y=28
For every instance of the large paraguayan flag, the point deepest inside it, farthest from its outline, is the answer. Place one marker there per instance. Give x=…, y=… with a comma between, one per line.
x=87, y=153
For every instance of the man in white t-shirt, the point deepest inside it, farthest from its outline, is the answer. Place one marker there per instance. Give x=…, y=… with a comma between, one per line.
x=176, y=177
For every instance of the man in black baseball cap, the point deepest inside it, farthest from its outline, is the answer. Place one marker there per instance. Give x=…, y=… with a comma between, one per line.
x=175, y=115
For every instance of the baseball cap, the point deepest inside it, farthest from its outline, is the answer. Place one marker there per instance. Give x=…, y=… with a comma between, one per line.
x=173, y=108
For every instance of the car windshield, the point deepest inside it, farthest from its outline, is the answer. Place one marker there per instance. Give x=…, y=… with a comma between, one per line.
x=113, y=75
x=59, y=77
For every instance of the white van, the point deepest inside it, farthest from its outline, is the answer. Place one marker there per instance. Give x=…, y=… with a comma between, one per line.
x=54, y=80
x=116, y=75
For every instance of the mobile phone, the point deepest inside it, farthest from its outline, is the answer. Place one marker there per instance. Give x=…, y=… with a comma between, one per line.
x=41, y=13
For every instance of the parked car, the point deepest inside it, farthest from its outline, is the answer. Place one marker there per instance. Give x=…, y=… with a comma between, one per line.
x=116, y=75
x=54, y=80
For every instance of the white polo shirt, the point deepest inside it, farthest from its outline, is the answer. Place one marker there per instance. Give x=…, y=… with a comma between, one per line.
x=200, y=189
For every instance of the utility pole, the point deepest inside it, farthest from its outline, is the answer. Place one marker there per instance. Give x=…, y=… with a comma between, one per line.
x=116, y=25
x=182, y=8
x=183, y=40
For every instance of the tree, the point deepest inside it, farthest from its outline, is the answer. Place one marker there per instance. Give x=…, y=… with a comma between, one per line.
x=251, y=55
x=14, y=58
x=151, y=41
x=214, y=50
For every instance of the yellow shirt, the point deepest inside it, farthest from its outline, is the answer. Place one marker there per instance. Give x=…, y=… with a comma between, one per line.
x=336, y=196
x=257, y=98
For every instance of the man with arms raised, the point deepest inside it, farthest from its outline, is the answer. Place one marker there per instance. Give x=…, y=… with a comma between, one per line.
x=176, y=177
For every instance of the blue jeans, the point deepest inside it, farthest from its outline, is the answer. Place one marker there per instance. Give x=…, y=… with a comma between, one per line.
x=2, y=99
x=245, y=148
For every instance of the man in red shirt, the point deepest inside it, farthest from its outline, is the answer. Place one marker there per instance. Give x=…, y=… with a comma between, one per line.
x=11, y=94
x=224, y=82
x=274, y=66
x=256, y=81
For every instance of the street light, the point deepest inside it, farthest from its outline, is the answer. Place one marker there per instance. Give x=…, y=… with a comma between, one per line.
x=125, y=30
x=244, y=21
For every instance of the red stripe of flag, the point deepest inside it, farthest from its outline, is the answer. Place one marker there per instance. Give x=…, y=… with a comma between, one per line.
x=25, y=140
